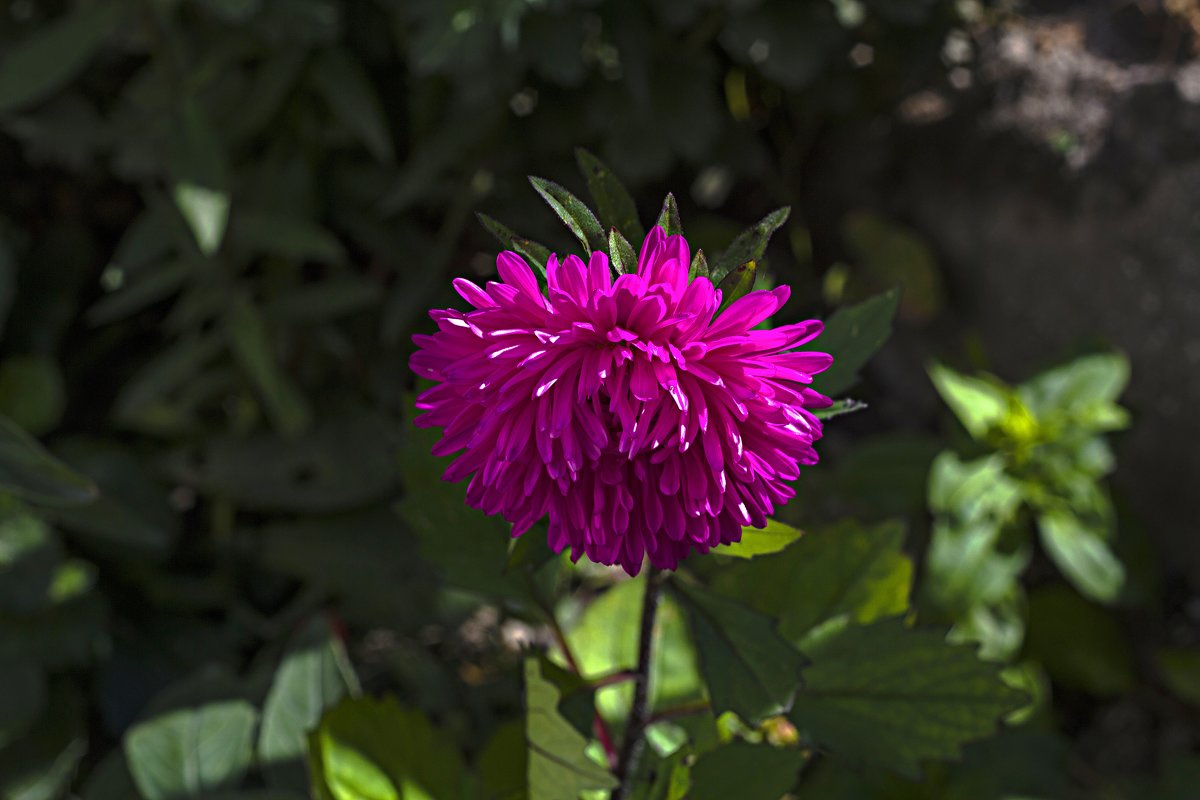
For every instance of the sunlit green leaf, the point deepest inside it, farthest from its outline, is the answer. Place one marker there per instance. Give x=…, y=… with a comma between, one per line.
x=749, y=246
x=668, y=218
x=771, y=539
x=737, y=283
x=699, y=267
x=621, y=256
x=979, y=405
x=614, y=204
x=573, y=212
x=557, y=768
x=1082, y=554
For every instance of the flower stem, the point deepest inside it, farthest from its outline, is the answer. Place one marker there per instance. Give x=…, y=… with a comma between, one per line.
x=639, y=715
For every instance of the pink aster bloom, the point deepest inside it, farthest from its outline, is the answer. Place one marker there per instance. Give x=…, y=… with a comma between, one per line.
x=642, y=424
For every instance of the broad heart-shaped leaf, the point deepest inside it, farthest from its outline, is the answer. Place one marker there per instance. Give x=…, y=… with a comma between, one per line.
x=28, y=471
x=668, y=218
x=826, y=579
x=558, y=768
x=771, y=539
x=43, y=63
x=536, y=254
x=979, y=405
x=315, y=675
x=1082, y=554
x=614, y=204
x=893, y=696
x=344, y=84
x=191, y=751
x=737, y=283
x=745, y=771
x=852, y=337
x=749, y=668
x=367, y=749
x=621, y=256
x=749, y=245
x=573, y=212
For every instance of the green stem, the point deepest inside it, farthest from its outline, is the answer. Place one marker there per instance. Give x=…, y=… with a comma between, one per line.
x=639, y=715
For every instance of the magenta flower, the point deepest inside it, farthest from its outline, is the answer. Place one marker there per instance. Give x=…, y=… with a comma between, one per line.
x=623, y=409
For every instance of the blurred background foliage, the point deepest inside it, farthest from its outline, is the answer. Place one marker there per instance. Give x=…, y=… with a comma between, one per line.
x=222, y=220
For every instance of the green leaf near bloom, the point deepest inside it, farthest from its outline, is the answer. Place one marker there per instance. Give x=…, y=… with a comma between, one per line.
x=557, y=766
x=749, y=246
x=668, y=218
x=771, y=539
x=847, y=405
x=621, y=255
x=252, y=346
x=346, y=89
x=573, y=212
x=28, y=471
x=699, y=267
x=42, y=64
x=1082, y=554
x=892, y=696
x=852, y=336
x=737, y=284
x=745, y=770
x=980, y=405
x=368, y=749
x=1080, y=644
x=191, y=751
x=748, y=667
x=825, y=580
x=614, y=204
x=536, y=254
x=314, y=676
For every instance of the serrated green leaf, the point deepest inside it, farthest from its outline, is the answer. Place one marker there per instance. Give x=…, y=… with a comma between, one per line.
x=749, y=245
x=30, y=472
x=573, y=212
x=1082, y=554
x=347, y=89
x=852, y=336
x=251, y=345
x=771, y=539
x=892, y=696
x=367, y=749
x=621, y=255
x=314, y=676
x=737, y=284
x=44, y=63
x=699, y=267
x=748, y=667
x=536, y=254
x=668, y=218
x=614, y=204
x=558, y=768
x=745, y=771
x=979, y=405
x=190, y=751
x=826, y=579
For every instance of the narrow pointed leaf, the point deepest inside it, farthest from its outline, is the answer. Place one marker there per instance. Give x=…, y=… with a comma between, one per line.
x=750, y=244
x=892, y=696
x=1082, y=554
x=737, y=284
x=699, y=268
x=614, y=204
x=200, y=175
x=573, y=212
x=251, y=345
x=847, y=405
x=668, y=219
x=536, y=254
x=621, y=254
x=30, y=472
x=557, y=766
x=749, y=668
x=344, y=84
x=852, y=336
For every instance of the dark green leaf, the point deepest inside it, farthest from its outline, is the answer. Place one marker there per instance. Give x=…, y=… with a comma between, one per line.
x=737, y=284
x=573, y=212
x=892, y=696
x=529, y=551
x=699, y=267
x=291, y=238
x=1180, y=670
x=347, y=89
x=749, y=245
x=894, y=255
x=1082, y=554
x=31, y=392
x=31, y=473
x=621, y=254
x=557, y=768
x=41, y=764
x=1080, y=645
x=748, y=667
x=200, y=173
x=745, y=771
x=771, y=539
x=315, y=675
x=251, y=345
x=536, y=254
x=668, y=218
x=614, y=204
x=23, y=698
x=46, y=62
x=188, y=752
x=852, y=337
x=146, y=287
x=367, y=748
